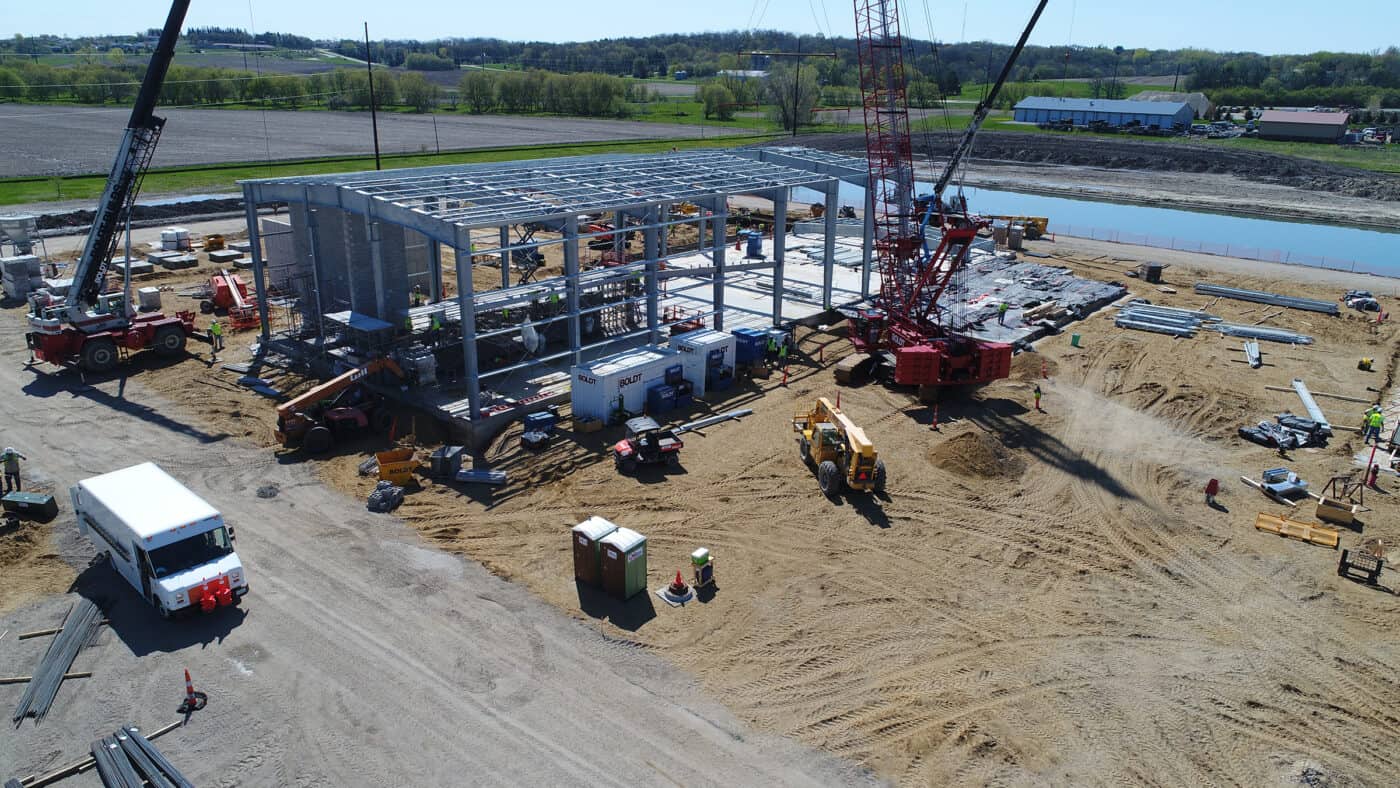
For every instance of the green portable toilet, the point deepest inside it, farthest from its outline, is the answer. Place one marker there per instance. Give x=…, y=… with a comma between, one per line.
x=588, y=550
x=624, y=563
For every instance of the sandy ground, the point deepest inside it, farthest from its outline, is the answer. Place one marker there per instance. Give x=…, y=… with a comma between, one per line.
x=362, y=656
x=1040, y=598
x=54, y=140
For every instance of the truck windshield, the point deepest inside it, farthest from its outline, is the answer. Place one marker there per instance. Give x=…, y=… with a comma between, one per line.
x=189, y=553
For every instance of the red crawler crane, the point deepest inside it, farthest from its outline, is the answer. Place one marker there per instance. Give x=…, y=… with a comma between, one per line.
x=909, y=321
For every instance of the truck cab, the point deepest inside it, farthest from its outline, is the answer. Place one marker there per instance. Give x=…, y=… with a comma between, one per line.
x=172, y=546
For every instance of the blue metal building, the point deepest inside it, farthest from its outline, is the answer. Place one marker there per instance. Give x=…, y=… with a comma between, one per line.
x=1082, y=112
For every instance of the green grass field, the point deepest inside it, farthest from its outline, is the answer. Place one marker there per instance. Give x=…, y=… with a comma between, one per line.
x=973, y=92
x=223, y=178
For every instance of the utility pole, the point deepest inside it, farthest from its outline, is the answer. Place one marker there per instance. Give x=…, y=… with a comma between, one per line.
x=373, y=114
x=797, y=76
x=1176, y=77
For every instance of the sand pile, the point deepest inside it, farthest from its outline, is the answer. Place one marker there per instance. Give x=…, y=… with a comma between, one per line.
x=1028, y=366
x=977, y=454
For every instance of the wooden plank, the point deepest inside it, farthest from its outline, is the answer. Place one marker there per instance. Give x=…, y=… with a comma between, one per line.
x=25, y=679
x=1315, y=534
x=1342, y=397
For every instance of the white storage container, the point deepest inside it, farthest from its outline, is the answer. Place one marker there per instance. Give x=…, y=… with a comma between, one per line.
x=699, y=350
x=149, y=299
x=598, y=387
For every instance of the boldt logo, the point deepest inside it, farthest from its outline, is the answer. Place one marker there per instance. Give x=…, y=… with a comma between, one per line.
x=629, y=381
x=587, y=380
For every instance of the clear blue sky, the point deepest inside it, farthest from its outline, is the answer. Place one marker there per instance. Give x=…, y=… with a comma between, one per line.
x=1276, y=26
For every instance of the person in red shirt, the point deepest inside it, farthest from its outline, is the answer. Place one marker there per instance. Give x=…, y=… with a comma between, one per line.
x=1212, y=490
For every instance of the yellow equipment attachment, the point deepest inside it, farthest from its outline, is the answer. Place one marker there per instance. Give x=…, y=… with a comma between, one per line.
x=839, y=450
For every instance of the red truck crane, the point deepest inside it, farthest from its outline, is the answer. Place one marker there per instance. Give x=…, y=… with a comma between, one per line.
x=908, y=320
x=88, y=325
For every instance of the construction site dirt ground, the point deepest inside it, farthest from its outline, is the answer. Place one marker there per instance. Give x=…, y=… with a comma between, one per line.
x=1038, y=597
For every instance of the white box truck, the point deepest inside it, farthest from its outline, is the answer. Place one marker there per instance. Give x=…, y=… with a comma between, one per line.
x=168, y=543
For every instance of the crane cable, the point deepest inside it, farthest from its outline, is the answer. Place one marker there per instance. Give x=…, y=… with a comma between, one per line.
x=257, y=65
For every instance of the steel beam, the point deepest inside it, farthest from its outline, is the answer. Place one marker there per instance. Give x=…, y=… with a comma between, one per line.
x=505, y=255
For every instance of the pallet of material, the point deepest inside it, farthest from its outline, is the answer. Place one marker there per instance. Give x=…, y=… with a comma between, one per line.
x=224, y=255
x=1316, y=534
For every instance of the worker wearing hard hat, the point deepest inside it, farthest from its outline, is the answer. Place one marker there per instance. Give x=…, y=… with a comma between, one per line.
x=10, y=458
x=1375, y=422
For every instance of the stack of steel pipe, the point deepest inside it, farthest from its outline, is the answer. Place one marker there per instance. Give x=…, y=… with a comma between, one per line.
x=1263, y=332
x=1274, y=299
x=1161, y=320
x=79, y=629
x=126, y=759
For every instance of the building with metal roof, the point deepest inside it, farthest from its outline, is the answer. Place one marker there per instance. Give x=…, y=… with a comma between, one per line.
x=381, y=248
x=1277, y=124
x=1114, y=112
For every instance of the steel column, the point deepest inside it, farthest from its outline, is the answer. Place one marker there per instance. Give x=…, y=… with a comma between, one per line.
x=434, y=270
x=652, y=242
x=721, y=217
x=867, y=245
x=313, y=247
x=829, y=248
x=376, y=263
x=665, y=218
x=505, y=255
x=466, y=308
x=571, y=285
x=780, y=227
x=255, y=249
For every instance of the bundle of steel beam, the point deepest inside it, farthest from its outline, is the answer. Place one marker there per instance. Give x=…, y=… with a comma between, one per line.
x=1143, y=307
x=1262, y=332
x=79, y=629
x=1274, y=299
x=1160, y=320
x=126, y=759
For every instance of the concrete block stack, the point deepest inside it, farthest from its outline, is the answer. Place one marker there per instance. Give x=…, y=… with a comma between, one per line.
x=225, y=256
x=21, y=275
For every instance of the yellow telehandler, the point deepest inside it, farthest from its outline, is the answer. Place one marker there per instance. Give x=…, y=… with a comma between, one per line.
x=839, y=451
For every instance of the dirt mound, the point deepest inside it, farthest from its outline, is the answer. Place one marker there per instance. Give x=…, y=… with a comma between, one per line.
x=977, y=454
x=1032, y=366
x=1078, y=150
x=28, y=564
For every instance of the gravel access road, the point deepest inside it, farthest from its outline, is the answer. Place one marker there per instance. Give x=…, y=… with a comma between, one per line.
x=361, y=656
x=57, y=140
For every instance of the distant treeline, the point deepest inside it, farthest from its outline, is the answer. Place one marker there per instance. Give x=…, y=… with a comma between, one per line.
x=1238, y=78
x=185, y=86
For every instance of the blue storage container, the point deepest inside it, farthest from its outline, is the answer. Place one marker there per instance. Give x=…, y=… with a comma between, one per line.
x=685, y=394
x=540, y=422
x=675, y=374
x=661, y=399
x=719, y=379
x=748, y=344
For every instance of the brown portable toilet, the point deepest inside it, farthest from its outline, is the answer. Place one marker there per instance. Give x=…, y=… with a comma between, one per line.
x=624, y=563
x=588, y=552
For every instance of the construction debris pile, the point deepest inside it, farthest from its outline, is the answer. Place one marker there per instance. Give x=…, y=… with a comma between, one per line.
x=79, y=630
x=1146, y=316
x=1287, y=432
x=1040, y=299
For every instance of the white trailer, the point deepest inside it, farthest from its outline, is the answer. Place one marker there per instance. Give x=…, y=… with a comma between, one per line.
x=598, y=389
x=168, y=543
x=701, y=351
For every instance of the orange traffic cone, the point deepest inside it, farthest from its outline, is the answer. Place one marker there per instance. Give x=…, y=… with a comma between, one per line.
x=678, y=586
x=194, y=701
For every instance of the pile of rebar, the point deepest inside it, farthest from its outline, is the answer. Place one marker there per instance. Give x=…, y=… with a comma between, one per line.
x=126, y=759
x=79, y=629
x=1273, y=299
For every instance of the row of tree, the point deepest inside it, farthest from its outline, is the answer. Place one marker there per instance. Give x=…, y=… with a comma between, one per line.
x=188, y=86
x=591, y=95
